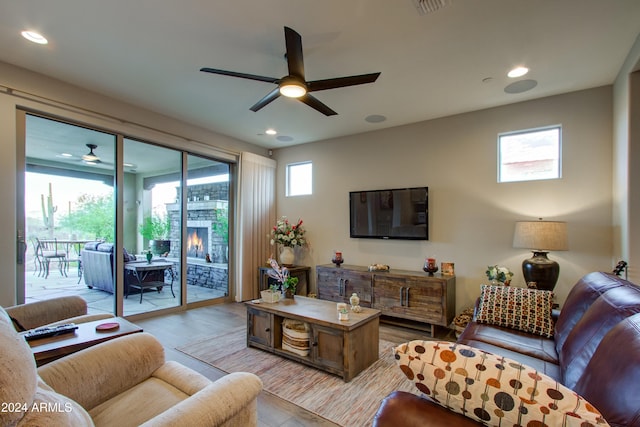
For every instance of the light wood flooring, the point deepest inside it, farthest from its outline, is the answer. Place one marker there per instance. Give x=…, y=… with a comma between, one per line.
x=175, y=330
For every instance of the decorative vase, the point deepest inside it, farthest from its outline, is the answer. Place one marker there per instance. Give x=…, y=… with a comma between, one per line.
x=287, y=256
x=288, y=294
x=354, y=300
x=149, y=257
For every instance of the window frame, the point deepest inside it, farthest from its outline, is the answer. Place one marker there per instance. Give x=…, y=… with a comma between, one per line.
x=558, y=172
x=288, y=177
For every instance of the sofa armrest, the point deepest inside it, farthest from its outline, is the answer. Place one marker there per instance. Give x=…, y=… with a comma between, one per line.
x=232, y=397
x=401, y=408
x=40, y=313
x=98, y=373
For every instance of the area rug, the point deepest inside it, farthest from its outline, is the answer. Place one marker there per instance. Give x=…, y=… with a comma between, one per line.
x=347, y=404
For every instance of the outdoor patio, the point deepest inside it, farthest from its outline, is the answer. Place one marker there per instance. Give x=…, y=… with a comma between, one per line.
x=38, y=288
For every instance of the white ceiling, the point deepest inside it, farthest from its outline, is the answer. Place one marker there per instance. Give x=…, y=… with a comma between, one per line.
x=454, y=60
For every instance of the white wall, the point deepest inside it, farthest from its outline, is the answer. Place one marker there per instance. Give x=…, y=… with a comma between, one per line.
x=626, y=179
x=471, y=216
x=53, y=94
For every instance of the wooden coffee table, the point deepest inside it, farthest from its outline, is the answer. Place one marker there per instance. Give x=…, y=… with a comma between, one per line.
x=344, y=348
x=46, y=350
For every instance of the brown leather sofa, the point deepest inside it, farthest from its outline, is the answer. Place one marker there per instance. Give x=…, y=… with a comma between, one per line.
x=595, y=351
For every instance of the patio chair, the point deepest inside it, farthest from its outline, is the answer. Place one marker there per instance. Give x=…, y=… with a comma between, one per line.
x=47, y=251
x=38, y=260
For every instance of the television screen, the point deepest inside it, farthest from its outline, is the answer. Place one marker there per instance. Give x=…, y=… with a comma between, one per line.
x=390, y=214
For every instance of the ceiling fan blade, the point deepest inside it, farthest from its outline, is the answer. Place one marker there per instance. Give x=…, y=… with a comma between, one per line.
x=314, y=103
x=294, y=56
x=341, y=82
x=241, y=75
x=270, y=97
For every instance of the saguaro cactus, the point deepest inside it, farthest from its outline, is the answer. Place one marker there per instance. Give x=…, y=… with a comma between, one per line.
x=48, y=211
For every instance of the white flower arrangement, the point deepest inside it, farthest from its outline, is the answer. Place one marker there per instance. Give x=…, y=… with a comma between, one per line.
x=288, y=234
x=499, y=273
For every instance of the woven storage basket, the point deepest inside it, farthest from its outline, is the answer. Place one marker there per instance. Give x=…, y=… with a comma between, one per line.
x=295, y=337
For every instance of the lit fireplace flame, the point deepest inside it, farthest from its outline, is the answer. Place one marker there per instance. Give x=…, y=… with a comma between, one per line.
x=194, y=244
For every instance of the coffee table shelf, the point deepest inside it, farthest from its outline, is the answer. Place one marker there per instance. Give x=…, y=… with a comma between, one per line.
x=344, y=348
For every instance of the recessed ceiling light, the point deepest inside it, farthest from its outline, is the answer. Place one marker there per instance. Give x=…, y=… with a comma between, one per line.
x=66, y=155
x=518, y=72
x=270, y=132
x=35, y=37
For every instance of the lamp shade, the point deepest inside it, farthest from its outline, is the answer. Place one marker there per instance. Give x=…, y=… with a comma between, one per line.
x=541, y=235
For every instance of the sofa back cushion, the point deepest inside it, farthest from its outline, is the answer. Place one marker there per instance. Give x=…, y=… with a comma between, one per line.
x=612, y=377
x=605, y=312
x=580, y=298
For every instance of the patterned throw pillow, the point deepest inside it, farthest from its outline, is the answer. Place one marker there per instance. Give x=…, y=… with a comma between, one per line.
x=527, y=310
x=490, y=389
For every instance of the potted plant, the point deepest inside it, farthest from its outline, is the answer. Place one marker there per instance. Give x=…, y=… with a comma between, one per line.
x=155, y=229
x=285, y=283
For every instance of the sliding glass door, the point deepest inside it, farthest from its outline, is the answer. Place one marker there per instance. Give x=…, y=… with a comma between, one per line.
x=207, y=239
x=165, y=210
x=69, y=201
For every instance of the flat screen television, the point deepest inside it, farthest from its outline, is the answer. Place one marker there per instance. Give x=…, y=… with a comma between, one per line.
x=401, y=213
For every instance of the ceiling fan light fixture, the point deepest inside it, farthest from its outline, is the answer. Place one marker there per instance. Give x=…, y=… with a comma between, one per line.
x=292, y=88
x=90, y=156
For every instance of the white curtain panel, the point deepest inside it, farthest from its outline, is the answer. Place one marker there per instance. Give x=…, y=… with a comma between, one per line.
x=257, y=214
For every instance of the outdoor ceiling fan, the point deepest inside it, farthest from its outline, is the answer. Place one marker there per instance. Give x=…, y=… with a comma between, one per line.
x=91, y=157
x=294, y=84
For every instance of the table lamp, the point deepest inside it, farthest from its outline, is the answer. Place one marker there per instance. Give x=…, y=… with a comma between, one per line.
x=541, y=237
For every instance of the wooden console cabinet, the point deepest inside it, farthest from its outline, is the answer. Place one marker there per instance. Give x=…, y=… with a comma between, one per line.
x=411, y=298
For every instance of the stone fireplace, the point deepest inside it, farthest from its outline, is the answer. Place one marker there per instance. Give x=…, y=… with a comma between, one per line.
x=205, y=203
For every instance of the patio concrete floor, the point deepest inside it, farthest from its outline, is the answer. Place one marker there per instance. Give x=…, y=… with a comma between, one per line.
x=38, y=288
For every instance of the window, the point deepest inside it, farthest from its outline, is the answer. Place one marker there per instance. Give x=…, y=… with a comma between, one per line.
x=529, y=155
x=299, y=179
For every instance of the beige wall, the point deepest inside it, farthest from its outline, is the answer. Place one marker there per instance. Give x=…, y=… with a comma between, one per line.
x=53, y=94
x=471, y=216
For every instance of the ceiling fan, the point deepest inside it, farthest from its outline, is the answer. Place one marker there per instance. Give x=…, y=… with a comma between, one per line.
x=91, y=157
x=294, y=84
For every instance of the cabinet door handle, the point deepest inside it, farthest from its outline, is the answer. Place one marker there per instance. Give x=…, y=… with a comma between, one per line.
x=344, y=287
x=315, y=344
x=406, y=297
x=267, y=329
x=401, y=296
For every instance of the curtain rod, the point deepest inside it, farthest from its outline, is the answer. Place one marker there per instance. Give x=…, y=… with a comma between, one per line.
x=17, y=93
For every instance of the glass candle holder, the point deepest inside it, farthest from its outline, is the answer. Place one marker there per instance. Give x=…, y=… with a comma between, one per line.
x=430, y=266
x=337, y=258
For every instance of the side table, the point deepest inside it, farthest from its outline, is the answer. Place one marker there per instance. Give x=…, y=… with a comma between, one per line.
x=48, y=349
x=302, y=272
x=141, y=270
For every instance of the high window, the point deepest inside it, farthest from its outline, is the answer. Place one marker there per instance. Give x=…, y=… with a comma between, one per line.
x=299, y=179
x=530, y=155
